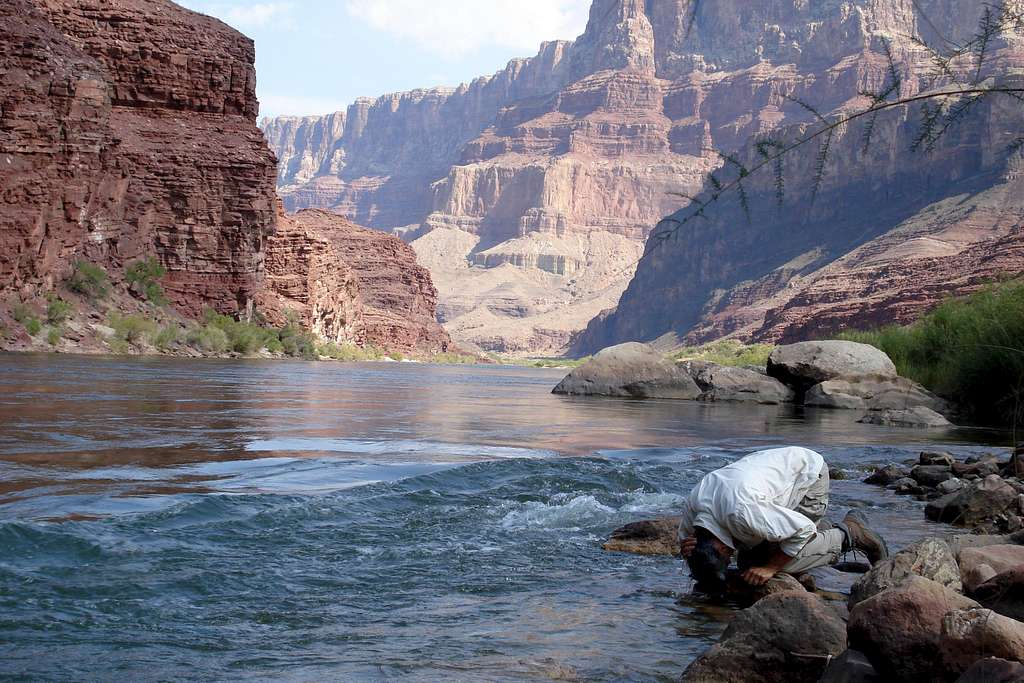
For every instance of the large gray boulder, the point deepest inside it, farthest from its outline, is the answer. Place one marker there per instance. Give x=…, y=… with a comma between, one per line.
x=808, y=363
x=920, y=417
x=630, y=370
x=930, y=558
x=759, y=644
x=873, y=392
x=723, y=383
x=899, y=629
x=972, y=634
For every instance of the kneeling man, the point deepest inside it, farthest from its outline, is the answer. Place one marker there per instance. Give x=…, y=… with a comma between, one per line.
x=768, y=506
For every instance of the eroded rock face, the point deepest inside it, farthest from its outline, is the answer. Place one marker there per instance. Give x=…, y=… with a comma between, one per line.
x=729, y=384
x=630, y=370
x=352, y=284
x=127, y=129
x=930, y=558
x=537, y=170
x=886, y=237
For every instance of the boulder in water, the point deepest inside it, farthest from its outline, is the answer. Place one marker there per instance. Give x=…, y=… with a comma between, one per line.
x=646, y=537
x=805, y=364
x=977, y=502
x=785, y=638
x=630, y=370
x=731, y=384
x=931, y=475
x=920, y=417
x=884, y=476
x=872, y=393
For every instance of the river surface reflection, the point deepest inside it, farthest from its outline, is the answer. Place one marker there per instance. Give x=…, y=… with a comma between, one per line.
x=182, y=520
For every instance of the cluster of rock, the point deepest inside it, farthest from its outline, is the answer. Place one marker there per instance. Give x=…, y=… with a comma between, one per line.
x=983, y=493
x=943, y=609
x=128, y=130
x=826, y=374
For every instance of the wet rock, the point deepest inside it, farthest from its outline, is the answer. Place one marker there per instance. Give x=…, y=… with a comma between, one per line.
x=898, y=629
x=982, y=468
x=919, y=417
x=937, y=458
x=930, y=558
x=873, y=393
x=884, y=476
x=647, y=537
x=998, y=559
x=993, y=670
x=806, y=364
x=971, y=634
x=759, y=644
x=977, y=502
x=950, y=486
x=836, y=474
x=908, y=487
x=961, y=542
x=630, y=370
x=931, y=475
x=851, y=667
x=1003, y=593
x=730, y=384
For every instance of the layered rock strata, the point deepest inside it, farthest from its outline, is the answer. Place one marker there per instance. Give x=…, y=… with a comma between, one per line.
x=351, y=284
x=536, y=187
x=127, y=129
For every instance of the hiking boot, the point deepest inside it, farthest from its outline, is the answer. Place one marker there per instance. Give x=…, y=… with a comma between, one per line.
x=859, y=536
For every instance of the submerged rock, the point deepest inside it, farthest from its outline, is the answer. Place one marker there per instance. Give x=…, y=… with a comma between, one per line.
x=630, y=370
x=884, y=476
x=723, y=383
x=930, y=558
x=919, y=417
x=784, y=638
x=931, y=475
x=806, y=364
x=898, y=629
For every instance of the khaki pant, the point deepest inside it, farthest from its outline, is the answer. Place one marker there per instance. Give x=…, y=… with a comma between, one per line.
x=823, y=550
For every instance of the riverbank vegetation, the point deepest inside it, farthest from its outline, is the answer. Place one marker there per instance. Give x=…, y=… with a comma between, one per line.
x=970, y=350
x=728, y=352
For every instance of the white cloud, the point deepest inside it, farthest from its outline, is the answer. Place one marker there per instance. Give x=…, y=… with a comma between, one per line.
x=455, y=28
x=245, y=15
x=287, y=105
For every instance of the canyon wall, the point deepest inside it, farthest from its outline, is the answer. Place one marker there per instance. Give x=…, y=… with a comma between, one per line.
x=128, y=130
x=530, y=194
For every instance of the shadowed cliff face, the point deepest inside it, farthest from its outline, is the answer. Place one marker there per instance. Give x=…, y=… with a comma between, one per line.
x=127, y=128
x=523, y=178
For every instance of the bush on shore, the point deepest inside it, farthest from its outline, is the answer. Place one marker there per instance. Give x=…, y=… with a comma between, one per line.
x=89, y=280
x=727, y=352
x=143, y=275
x=130, y=330
x=970, y=350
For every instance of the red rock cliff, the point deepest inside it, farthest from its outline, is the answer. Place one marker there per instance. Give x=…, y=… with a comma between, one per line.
x=127, y=129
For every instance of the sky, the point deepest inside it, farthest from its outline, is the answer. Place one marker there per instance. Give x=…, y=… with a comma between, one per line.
x=318, y=56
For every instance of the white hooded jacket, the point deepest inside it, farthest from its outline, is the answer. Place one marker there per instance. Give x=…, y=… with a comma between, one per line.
x=753, y=500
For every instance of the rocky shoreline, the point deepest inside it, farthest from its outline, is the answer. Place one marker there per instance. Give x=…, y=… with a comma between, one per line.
x=836, y=375
x=946, y=608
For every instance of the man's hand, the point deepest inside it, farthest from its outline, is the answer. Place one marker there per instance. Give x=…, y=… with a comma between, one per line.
x=758, y=576
x=687, y=545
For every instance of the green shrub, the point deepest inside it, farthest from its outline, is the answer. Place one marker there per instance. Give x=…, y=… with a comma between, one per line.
x=969, y=350
x=21, y=314
x=89, y=280
x=727, y=352
x=118, y=346
x=297, y=342
x=143, y=275
x=452, y=358
x=167, y=337
x=33, y=326
x=132, y=329
x=57, y=310
x=54, y=336
x=245, y=338
x=209, y=338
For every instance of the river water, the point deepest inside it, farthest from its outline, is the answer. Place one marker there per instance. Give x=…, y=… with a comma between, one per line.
x=173, y=520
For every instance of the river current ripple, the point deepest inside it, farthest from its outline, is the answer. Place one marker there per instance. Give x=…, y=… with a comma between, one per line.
x=166, y=520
